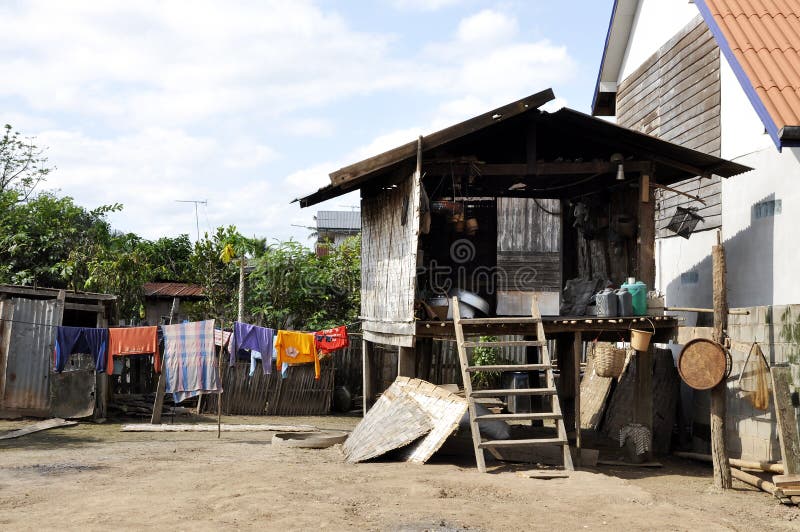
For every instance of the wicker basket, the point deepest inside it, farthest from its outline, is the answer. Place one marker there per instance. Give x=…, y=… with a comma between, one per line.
x=608, y=360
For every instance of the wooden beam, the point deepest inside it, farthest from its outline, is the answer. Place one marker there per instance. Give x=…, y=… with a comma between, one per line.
x=530, y=147
x=158, y=404
x=538, y=169
x=368, y=382
x=6, y=322
x=84, y=308
x=719, y=451
x=577, y=351
x=787, y=420
x=646, y=257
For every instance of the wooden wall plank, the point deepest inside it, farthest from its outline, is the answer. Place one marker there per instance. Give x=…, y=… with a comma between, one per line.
x=675, y=95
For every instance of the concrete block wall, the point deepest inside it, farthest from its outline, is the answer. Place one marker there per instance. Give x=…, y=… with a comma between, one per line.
x=752, y=434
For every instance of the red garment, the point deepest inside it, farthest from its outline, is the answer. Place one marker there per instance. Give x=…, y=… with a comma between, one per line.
x=133, y=341
x=328, y=340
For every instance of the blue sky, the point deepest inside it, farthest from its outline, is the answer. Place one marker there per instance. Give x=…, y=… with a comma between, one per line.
x=249, y=104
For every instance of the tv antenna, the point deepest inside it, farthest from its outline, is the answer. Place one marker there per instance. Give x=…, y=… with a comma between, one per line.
x=196, y=216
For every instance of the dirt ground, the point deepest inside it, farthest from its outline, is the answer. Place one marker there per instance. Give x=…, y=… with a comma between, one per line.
x=94, y=477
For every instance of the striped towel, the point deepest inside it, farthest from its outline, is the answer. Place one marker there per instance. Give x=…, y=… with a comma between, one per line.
x=190, y=366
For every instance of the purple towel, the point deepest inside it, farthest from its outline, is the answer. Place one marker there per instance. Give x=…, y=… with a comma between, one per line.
x=246, y=336
x=71, y=340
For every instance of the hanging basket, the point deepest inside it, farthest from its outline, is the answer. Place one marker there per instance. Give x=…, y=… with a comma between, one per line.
x=609, y=360
x=640, y=340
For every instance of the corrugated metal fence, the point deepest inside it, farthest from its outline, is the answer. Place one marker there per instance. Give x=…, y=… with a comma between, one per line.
x=27, y=376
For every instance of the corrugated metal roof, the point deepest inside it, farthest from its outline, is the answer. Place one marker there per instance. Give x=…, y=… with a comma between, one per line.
x=173, y=290
x=27, y=383
x=345, y=220
x=761, y=40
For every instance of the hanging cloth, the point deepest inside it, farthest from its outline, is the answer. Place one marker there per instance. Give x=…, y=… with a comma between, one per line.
x=754, y=380
x=328, y=340
x=133, y=341
x=190, y=365
x=253, y=337
x=296, y=348
x=71, y=340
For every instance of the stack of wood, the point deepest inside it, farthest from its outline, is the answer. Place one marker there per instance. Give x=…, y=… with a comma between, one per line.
x=141, y=405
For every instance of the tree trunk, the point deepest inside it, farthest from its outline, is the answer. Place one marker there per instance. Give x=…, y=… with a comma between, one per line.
x=240, y=313
x=719, y=451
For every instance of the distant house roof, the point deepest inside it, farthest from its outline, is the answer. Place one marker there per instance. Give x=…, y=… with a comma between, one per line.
x=183, y=290
x=341, y=220
x=760, y=40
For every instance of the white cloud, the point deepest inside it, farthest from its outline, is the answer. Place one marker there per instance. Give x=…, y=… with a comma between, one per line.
x=310, y=127
x=424, y=5
x=147, y=102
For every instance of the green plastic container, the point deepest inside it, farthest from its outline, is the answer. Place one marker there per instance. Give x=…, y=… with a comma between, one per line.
x=638, y=291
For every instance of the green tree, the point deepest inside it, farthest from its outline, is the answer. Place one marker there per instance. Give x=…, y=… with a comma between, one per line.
x=23, y=165
x=40, y=239
x=292, y=287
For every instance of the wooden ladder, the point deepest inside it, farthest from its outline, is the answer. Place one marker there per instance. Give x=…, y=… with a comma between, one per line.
x=550, y=389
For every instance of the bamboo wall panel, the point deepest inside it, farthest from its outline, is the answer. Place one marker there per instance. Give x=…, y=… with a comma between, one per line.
x=299, y=394
x=390, y=233
x=675, y=95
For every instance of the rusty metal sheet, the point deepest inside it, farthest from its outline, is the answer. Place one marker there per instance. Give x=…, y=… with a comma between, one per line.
x=27, y=382
x=72, y=393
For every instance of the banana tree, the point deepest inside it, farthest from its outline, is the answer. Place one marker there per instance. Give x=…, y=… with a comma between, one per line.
x=239, y=247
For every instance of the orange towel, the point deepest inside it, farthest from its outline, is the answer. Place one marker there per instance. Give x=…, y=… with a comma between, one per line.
x=133, y=341
x=296, y=348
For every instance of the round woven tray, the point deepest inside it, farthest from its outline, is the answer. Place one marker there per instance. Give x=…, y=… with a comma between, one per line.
x=703, y=364
x=309, y=440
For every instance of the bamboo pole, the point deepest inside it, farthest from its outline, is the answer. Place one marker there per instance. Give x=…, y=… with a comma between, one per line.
x=719, y=451
x=769, y=467
x=753, y=480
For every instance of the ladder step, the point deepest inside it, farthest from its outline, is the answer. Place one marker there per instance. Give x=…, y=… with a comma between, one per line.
x=518, y=391
x=520, y=443
x=507, y=343
x=511, y=417
x=510, y=320
x=509, y=367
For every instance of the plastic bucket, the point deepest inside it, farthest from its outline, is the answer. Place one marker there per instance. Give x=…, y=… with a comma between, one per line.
x=640, y=340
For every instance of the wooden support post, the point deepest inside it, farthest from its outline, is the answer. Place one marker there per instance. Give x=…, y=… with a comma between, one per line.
x=646, y=257
x=101, y=380
x=407, y=362
x=566, y=389
x=424, y=358
x=368, y=379
x=643, y=407
x=719, y=451
x=6, y=322
x=158, y=404
x=787, y=420
x=577, y=352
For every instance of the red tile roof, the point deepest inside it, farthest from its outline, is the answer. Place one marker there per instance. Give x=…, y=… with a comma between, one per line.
x=764, y=38
x=173, y=290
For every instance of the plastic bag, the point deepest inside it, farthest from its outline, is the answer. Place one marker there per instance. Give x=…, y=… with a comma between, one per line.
x=755, y=379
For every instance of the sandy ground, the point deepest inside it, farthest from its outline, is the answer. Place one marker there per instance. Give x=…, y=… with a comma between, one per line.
x=94, y=477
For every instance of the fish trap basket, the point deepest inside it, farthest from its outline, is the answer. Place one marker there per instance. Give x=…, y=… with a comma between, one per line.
x=609, y=360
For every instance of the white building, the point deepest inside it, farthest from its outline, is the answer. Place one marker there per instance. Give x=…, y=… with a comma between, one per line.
x=723, y=77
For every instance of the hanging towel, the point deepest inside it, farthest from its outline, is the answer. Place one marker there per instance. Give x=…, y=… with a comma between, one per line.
x=254, y=355
x=328, y=340
x=71, y=340
x=296, y=348
x=133, y=341
x=190, y=366
x=246, y=336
